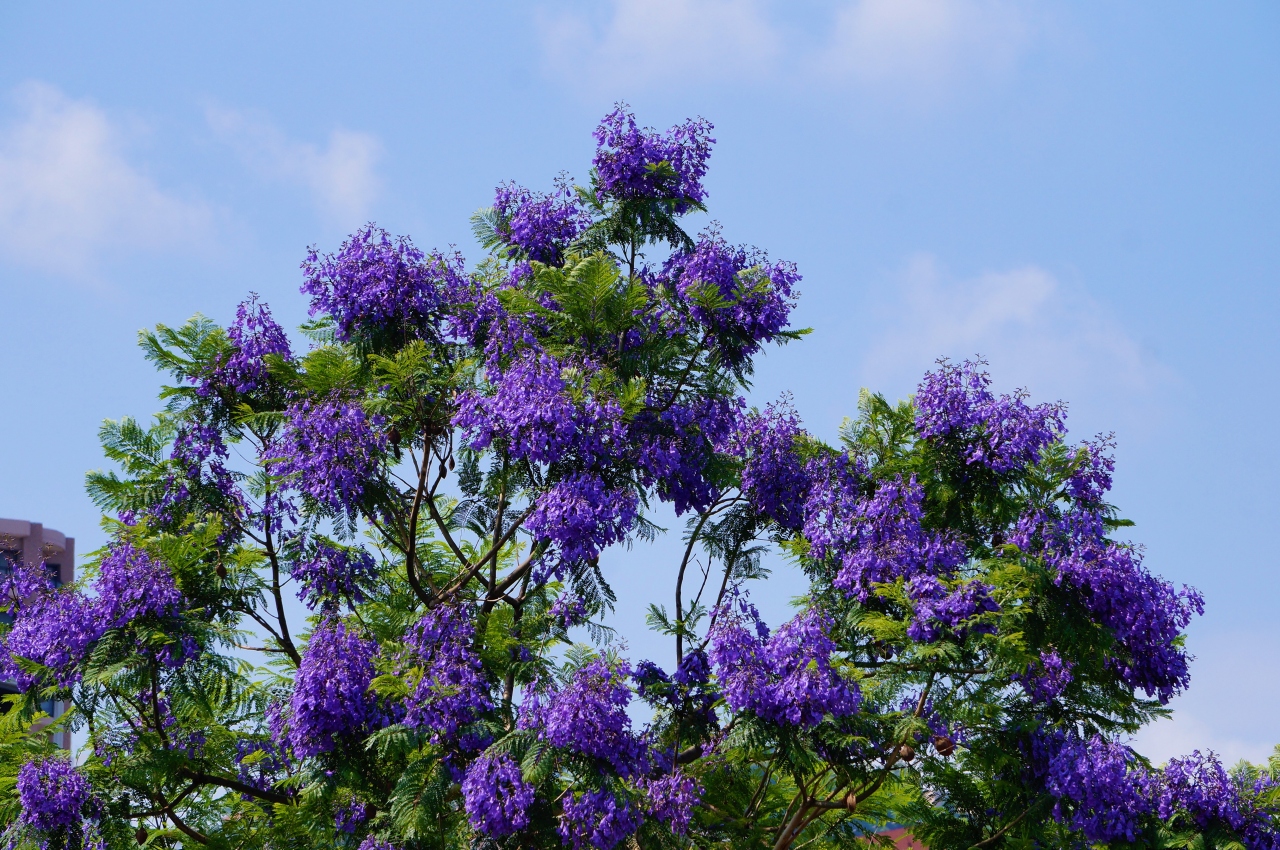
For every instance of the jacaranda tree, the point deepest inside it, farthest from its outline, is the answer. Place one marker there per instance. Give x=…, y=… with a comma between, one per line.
x=438, y=474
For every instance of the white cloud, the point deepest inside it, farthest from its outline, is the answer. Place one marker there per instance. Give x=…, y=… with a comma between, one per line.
x=644, y=41
x=69, y=196
x=1052, y=339
x=888, y=44
x=929, y=42
x=341, y=177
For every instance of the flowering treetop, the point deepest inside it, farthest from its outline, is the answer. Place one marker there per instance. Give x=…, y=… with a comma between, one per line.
x=437, y=478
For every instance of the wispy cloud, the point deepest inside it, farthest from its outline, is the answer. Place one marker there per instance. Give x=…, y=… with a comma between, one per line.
x=1036, y=332
x=890, y=44
x=341, y=177
x=647, y=41
x=69, y=195
x=924, y=42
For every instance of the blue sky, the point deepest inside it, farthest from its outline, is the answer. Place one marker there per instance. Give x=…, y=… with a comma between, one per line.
x=1087, y=194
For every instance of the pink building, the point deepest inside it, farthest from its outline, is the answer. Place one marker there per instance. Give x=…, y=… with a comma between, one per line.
x=32, y=543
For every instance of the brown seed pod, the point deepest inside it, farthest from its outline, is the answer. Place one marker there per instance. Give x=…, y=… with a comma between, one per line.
x=944, y=745
x=907, y=752
x=444, y=470
x=141, y=835
x=221, y=570
x=851, y=801
x=394, y=436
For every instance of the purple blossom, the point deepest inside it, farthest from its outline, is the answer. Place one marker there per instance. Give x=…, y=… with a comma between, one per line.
x=131, y=584
x=675, y=447
x=197, y=447
x=531, y=414
x=672, y=799
x=1001, y=433
x=1045, y=680
x=452, y=691
x=1101, y=789
x=741, y=298
x=786, y=678
x=597, y=819
x=938, y=609
x=1199, y=786
x=376, y=285
x=539, y=226
x=372, y=842
x=568, y=610
x=628, y=160
x=330, y=451
x=875, y=540
x=350, y=816
x=589, y=716
x=52, y=794
x=1144, y=612
x=773, y=477
x=582, y=515
x=331, y=699
x=254, y=335
x=54, y=628
x=496, y=796
x=329, y=573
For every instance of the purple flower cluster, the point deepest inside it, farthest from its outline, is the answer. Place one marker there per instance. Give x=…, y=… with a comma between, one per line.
x=628, y=160
x=1101, y=789
x=582, y=515
x=531, y=414
x=197, y=447
x=672, y=798
x=877, y=539
x=938, y=609
x=597, y=819
x=375, y=284
x=329, y=573
x=786, y=678
x=496, y=796
x=253, y=335
x=452, y=691
x=1045, y=680
x=568, y=610
x=1199, y=788
x=351, y=816
x=772, y=477
x=589, y=716
x=330, y=450
x=55, y=627
x=674, y=447
x=1145, y=613
x=331, y=699
x=538, y=226
x=53, y=796
x=736, y=294
x=131, y=584
x=1002, y=433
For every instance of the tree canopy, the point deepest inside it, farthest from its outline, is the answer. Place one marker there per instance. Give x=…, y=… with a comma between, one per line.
x=437, y=478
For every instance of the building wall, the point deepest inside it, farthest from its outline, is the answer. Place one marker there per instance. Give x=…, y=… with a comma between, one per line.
x=32, y=543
